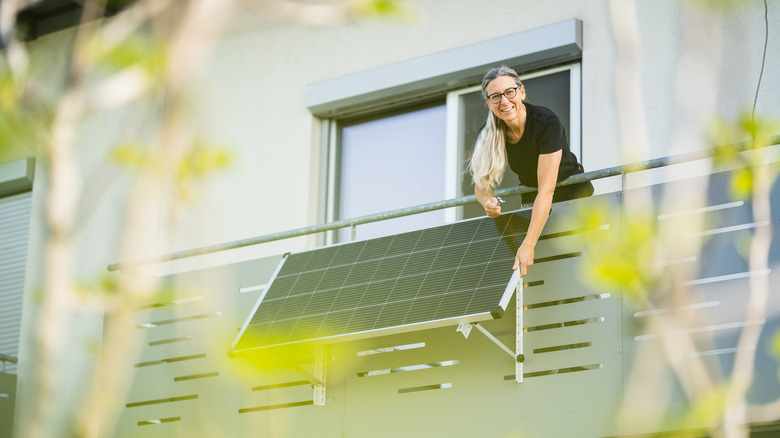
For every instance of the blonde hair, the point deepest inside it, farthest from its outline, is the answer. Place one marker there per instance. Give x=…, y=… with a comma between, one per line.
x=488, y=161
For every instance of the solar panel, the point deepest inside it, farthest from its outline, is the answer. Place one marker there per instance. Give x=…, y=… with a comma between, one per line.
x=450, y=274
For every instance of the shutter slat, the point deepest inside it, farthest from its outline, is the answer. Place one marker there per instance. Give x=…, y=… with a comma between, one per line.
x=14, y=230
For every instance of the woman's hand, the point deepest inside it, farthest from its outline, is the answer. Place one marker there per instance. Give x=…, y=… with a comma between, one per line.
x=524, y=259
x=488, y=201
x=492, y=207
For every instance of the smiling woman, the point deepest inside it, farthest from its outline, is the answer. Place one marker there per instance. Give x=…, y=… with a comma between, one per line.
x=532, y=140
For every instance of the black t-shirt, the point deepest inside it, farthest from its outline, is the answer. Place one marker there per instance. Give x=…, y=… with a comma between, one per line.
x=543, y=134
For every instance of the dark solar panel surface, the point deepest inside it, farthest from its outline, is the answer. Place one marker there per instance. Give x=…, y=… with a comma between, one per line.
x=408, y=279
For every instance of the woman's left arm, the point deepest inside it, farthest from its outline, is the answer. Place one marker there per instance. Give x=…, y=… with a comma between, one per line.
x=547, y=172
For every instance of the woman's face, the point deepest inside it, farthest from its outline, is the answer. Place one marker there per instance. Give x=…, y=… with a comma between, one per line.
x=506, y=109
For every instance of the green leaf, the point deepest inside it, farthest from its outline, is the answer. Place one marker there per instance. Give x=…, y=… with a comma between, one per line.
x=137, y=51
x=131, y=155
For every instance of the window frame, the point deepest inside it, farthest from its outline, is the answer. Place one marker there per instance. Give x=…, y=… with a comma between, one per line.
x=332, y=152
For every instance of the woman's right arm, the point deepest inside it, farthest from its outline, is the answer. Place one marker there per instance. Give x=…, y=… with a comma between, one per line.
x=488, y=201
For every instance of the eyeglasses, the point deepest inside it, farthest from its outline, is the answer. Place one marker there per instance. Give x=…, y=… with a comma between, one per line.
x=509, y=93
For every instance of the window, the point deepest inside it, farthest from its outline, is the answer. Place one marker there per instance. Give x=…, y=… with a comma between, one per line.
x=389, y=163
x=394, y=108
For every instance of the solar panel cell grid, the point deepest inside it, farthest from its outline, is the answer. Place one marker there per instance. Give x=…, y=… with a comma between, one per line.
x=418, y=262
x=436, y=283
x=363, y=272
x=424, y=309
x=320, y=259
x=452, y=271
x=406, y=288
x=402, y=244
x=308, y=281
x=376, y=248
x=452, y=304
x=323, y=303
x=432, y=238
x=335, y=322
x=393, y=314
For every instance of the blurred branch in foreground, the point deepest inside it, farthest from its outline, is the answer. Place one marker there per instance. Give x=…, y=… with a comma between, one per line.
x=148, y=57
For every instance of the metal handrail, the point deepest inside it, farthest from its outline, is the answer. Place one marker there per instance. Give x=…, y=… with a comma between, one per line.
x=7, y=358
x=447, y=203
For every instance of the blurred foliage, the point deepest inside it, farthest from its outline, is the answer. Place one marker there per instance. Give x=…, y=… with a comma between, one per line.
x=618, y=262
x=274, y=358
x=753, y=135
x=198, y=162
x=625, y=261
x=139, y=50
x=707, y=409
x=111, y=290
x=774, y=349
x=717, y=5
x=142, y=51
x=131, y=155
x=392, y=9
x=202, y=160
x=106, y=285
x=25, y=116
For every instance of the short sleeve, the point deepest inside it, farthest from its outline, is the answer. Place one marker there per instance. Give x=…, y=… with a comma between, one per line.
x=551, y=136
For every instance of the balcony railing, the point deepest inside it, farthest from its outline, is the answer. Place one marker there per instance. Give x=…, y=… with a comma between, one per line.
x=6, y=359
x=447, y=203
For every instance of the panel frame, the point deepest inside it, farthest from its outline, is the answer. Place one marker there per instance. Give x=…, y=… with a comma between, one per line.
x=232, y=349
x=496, y=313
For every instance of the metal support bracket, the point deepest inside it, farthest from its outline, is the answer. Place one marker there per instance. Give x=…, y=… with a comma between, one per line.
x=320, y=359
x=466, y=330
x=317, y=379
x=517, y=355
